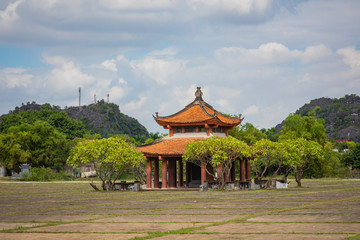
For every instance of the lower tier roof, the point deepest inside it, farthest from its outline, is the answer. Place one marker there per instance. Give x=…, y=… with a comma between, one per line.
x=167, y=147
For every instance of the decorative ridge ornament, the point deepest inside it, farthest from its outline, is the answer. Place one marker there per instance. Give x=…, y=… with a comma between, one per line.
x=198, y=94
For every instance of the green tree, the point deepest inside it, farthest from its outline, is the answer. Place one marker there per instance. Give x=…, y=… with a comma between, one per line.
x=306, y=127
x=271, y=134
x=304, y=154
x=110, y=158
x=356, y=156
x=247, y=133
x=351, y=156
x=39, y=145
x=58, y=119
x=268, y=154
x=220, y=153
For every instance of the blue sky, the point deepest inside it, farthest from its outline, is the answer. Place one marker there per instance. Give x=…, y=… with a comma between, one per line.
x=263, y=59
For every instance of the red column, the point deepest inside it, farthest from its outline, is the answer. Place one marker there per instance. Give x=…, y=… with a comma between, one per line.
x=242, y=170
x=156, y=173
x=164, y=173
x=172, y=173
x=148, y=173
x=180, y=173
x=233, y=177
x=203, y=173
x=248, y=169
x=187, y=174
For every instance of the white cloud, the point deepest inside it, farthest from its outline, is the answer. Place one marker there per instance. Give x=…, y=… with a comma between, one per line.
x=109, y=65
x=251, y=110
x=134, y=105
x=122, y=81
x=235, y=7
x=351, y=57
x=162, y=70
x=15, y=77
x=66, y=75
x=266, y=53
x=116, y=93
x=9, y=15
x=316, y=53
x=151, y=55
x=136, y=5
x=164, y=52
x=224, y=105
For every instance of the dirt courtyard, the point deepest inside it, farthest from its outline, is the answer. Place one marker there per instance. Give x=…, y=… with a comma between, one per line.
x=321, y=209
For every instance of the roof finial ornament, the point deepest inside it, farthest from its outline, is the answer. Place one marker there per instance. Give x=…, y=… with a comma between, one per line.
x=156, y=114
x=198, y=95
x=240, y=117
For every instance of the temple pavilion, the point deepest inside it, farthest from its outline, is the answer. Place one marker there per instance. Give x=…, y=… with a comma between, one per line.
x=196, y=122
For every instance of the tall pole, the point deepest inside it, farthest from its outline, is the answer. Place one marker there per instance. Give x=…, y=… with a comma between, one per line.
x=107, y=98
x=94, y=98
x=79, y=96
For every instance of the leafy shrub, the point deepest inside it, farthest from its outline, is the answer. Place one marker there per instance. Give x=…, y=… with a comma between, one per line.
x=44, y=174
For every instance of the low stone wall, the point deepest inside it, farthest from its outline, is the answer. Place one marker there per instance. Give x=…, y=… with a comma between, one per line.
x=124, y=186
x=247, y=185
x=236, y=185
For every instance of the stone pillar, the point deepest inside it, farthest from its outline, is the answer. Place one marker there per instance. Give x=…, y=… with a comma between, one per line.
x=187, y=174
x=180, y=173
x=164, y=172
x=203, y=173
x=248, y=169
x=148, y=173
x=156, y=173
x=233, y=177
x=242, y=170
x=172, y=173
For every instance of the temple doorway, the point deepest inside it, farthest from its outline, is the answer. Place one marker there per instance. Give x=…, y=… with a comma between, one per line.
x=195, y=176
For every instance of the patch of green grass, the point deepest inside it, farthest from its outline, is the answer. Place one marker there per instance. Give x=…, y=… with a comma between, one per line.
x=356, y=237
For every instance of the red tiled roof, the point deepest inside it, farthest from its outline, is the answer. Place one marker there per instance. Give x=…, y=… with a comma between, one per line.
x=191, y=115
x=166, y=147
x=198, y=114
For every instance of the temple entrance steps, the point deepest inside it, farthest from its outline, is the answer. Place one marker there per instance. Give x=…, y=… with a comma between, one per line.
x=195, y=184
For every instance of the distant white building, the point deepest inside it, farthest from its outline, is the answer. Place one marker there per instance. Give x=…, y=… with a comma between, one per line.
x=2, y=171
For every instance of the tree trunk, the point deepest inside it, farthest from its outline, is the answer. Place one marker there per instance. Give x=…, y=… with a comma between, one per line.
x=94, y=186
x=287, y=172
x=298, y=177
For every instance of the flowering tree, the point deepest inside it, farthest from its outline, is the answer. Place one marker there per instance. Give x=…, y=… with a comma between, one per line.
x=304, y=154
x=268, y=154
x=110, y=158
x=220, y=153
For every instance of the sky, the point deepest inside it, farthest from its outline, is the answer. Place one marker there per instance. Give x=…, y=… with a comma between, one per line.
x=263, y=59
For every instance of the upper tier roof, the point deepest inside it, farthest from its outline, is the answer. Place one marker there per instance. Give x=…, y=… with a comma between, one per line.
x=197, y=112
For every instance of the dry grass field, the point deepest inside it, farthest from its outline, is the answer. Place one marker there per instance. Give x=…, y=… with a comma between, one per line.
x=321, y=209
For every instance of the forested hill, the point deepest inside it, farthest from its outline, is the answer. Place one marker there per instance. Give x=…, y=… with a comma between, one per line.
x=341, y=116
x=101, y=118
x=106, y=119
